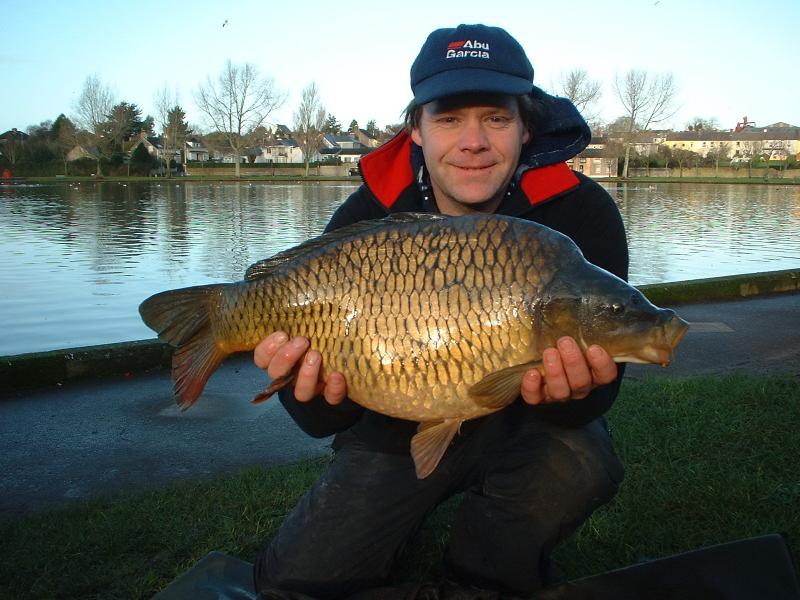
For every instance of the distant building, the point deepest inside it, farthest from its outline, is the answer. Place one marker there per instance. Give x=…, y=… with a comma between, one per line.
x=772, y=141
x=195, y=150
x=594, y=162
x=285, y=150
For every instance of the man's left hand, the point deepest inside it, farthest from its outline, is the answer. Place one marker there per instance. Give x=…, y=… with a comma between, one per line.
x=569, y=374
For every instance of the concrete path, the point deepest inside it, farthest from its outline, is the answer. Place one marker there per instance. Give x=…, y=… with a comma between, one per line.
x=83, y=440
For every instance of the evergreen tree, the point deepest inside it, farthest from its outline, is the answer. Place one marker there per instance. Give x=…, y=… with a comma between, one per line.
x=141, y=161
x=176, y=129
x=65, y=137
x=332, y=126
x=124, y=122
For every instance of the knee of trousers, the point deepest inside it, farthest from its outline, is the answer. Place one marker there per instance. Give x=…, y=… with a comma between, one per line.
x=307, y=576
x=567, y=478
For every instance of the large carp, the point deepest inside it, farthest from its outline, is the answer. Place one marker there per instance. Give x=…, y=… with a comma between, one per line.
x=430, y=318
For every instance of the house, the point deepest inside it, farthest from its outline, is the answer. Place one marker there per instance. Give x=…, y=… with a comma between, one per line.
x=13, y=135
x=195, y=150
x=280, y=151
x=155, y=146
x=701, y=142
x=594, y=162
x=11, y=142
x=282, y=132
x=344, y=148
x=340, y=141
x=366, y=139
x=777, y=142
x=80, y=151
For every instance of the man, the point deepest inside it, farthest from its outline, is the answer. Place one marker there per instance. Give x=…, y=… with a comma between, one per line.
x=479, y=137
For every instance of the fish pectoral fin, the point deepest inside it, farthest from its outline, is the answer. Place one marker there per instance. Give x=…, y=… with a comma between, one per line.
x=429, y=444
x=499, y=389
x=277, y=384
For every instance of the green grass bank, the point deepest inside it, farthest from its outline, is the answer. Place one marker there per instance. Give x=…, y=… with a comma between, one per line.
x=708, y=460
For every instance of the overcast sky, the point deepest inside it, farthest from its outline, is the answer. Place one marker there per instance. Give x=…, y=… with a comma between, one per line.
x=729, y=59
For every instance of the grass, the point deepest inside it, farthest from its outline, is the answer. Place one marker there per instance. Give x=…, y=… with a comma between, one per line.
x=709, y=460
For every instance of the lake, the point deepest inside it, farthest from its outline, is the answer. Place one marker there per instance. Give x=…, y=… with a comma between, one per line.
x=76, y=259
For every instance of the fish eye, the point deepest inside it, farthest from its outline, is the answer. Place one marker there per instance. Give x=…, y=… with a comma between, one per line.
x=617, y=308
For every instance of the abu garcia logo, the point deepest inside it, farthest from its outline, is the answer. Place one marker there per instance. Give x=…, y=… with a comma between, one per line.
x=468, y=49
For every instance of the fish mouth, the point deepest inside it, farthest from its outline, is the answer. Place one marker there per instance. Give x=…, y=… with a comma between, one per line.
x=658, y=350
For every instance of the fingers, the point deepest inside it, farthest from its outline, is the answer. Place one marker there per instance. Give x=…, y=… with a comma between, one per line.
x=335, y=389
x=263, y=353
x=568, y=373
x=308, y=384
x=604, y=369
x=574, y=379
x=279, y=355
x=533, y=387
x=282, y=357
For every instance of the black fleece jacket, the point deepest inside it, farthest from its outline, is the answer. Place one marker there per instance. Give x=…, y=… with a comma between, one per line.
x=552, y=195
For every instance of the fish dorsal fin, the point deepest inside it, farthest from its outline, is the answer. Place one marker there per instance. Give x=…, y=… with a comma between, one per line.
x=429, y=444
x=266, y=267
x=500, y=388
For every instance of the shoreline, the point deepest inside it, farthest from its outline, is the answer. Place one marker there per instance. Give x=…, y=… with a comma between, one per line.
x=56, y=367
x=794, y=179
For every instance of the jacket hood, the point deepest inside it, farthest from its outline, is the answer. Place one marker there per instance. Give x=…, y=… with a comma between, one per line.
x=560, y=134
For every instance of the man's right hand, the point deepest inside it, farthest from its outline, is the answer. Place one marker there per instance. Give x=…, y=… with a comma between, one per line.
x=279, y=356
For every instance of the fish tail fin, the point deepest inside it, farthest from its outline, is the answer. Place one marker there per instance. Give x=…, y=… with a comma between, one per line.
x=181, y=318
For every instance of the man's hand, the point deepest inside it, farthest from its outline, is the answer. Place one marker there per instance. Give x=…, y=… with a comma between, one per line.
x=568, y=373
x=279, y=355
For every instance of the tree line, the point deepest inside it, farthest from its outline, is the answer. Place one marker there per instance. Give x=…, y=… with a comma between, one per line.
x=235, y=106
x=237, y=103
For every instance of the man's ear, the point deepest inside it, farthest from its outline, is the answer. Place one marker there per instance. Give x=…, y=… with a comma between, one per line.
x=416, y=136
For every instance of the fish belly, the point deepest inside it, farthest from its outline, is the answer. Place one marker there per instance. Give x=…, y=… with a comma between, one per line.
x=412, y=321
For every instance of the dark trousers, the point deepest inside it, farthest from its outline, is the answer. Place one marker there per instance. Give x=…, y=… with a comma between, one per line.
x=523, y=494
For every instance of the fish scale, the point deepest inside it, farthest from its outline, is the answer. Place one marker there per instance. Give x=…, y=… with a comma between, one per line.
x=429, y=318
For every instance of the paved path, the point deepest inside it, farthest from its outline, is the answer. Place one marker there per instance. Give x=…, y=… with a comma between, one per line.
x=111, y=436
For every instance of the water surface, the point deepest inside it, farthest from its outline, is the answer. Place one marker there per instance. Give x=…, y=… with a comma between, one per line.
x=77, y=259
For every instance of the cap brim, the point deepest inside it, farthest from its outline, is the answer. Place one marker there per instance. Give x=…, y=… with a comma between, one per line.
x=467, y=81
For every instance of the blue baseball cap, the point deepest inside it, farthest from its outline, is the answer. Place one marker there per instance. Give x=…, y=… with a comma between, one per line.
x=470, y=59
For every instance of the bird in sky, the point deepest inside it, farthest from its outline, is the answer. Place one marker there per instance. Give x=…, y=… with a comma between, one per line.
x=225, y=23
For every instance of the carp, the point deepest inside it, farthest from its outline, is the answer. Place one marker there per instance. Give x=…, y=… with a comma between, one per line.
x=430, y=318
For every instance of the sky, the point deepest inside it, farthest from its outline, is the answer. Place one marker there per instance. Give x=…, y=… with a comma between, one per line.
x=729, y=59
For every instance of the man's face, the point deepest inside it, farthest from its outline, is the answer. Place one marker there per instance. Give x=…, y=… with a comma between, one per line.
x=471, y=146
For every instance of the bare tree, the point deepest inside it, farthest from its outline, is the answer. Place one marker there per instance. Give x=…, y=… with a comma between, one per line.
x=91, y=113
x=647, y=99
x=702, y=124
x=582, y=91
x=682, y=156
x=172, y=120
x=611, y=153
x=309, y=121
x=718, y=153
x=237, y=103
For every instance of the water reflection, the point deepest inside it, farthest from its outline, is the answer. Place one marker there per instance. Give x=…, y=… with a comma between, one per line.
x=77, y=259
x=688, y=231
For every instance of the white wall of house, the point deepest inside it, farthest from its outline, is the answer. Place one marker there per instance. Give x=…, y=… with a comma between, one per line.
x=280, y=154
